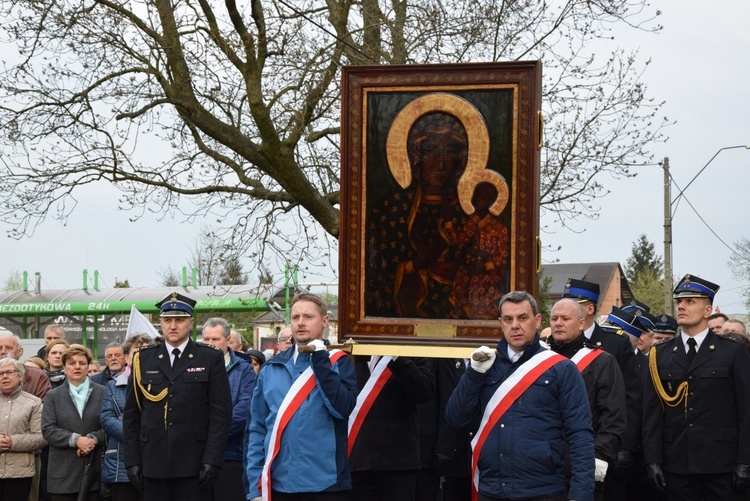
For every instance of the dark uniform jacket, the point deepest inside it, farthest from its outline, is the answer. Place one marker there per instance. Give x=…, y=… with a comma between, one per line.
x=712, y=433
x=605, y=389
x=439, y=442
x=188, y=425
x=618, y=345
x=389, y=436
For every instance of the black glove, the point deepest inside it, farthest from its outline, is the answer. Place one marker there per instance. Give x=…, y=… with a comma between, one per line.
x=741, y=478
x=624, y=463
x=207, y=475
x=656, y=477
x=135, y=475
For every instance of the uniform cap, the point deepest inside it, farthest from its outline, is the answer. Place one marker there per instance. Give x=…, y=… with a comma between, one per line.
x=641, y=312
x=634, y=304
x=692, y=286
x=625, y=321
x=666, y=324
x=176, y=305
x=581, y=290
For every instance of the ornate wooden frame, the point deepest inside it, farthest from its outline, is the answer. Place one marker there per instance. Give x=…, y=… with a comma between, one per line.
x=371, y=95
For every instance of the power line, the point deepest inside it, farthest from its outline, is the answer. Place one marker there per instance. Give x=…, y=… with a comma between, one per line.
x=682, y=195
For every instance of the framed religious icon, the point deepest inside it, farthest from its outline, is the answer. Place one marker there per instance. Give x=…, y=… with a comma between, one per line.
x=439, y=203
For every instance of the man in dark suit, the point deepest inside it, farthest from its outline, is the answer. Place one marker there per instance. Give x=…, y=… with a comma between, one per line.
x=614, y=342
x=696, y=425
x=385, y=473
x=177, y=412
x=445, y=451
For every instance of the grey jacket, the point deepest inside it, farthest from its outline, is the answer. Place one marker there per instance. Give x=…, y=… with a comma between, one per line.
x=61, y=427
x=22, y=420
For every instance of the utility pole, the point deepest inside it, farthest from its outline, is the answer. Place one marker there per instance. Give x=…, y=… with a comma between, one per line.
x=668, y=303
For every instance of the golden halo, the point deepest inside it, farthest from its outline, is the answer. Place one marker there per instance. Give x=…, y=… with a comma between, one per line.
x=479, y=147
x=470, y=180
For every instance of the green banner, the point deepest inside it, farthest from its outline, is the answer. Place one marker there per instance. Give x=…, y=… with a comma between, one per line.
x=104, y=307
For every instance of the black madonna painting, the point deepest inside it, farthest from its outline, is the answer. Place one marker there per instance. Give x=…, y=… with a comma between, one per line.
x=439, y=194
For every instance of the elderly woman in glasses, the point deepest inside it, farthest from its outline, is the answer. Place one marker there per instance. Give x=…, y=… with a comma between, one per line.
x=20, y=432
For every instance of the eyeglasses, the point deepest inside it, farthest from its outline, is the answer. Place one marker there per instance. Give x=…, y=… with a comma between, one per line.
x=284, y=339
x=8, y=373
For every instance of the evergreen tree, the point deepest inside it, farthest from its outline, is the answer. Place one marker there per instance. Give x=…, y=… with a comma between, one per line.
x=643, y=258
x=645, y=273
x=649, y=289
x=544, y=301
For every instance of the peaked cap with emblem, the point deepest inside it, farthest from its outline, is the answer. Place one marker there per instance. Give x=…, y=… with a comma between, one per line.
x=581, y=291
x=176, y=305
x=692, y=286
x=634, y=304
x=642, y=312
x=625, y=321
x=666, y=324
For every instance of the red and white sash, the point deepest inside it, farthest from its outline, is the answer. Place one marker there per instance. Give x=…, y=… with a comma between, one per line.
x=378, y=377
x=298, y=392
x=584, y=357
x=505, y=395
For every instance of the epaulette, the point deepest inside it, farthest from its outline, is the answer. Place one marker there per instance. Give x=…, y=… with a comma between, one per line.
x=729, y=338
x=612, y=330
x=206, y=345
x=149, y=346
x=666, y=342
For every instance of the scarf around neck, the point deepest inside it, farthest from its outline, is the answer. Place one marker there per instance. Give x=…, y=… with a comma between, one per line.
x=79, y=395
x=568, y=349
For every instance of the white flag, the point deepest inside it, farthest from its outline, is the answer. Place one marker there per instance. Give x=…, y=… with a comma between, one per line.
x=139, y=324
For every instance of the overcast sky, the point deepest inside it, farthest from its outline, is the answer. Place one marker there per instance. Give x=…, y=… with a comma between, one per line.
x=701, y=68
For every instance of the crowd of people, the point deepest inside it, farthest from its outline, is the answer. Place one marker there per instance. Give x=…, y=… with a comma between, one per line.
x=641, y=407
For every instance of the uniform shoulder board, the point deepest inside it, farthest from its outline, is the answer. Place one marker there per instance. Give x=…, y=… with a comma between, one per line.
x=149, y=346
x=728, y=338
x=610, y=329
x=205, y=345
x=668, y=341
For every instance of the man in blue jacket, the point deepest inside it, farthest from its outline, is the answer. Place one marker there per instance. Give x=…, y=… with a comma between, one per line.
x=228, y=485
x=297, y=444
x=532, y=401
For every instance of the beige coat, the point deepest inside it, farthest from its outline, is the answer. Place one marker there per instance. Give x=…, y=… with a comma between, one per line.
x=21, y=418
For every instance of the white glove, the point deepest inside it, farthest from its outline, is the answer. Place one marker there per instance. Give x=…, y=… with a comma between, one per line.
x=317, y=344
x=259, y=498
x=483, y=365
x=600, y=470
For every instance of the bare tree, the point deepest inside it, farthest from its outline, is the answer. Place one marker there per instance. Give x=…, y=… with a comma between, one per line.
x=168, y=277
x=740, y=265
x=232, y=110
x=13, y=281
x=206, y=257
